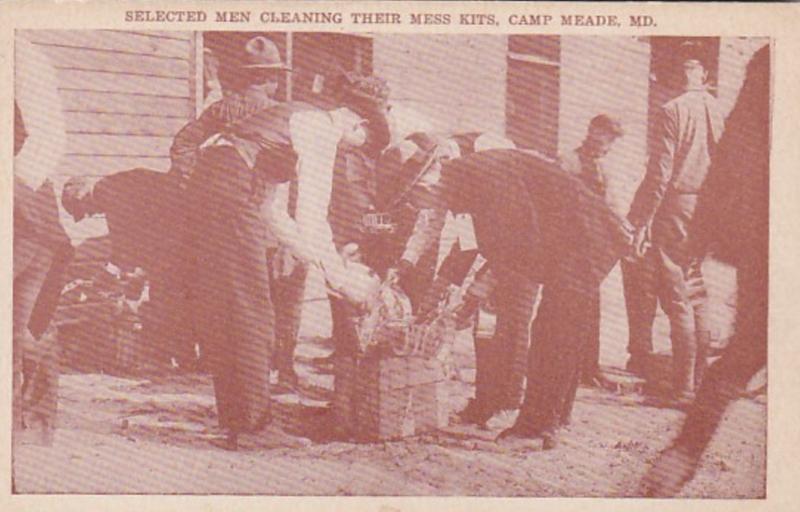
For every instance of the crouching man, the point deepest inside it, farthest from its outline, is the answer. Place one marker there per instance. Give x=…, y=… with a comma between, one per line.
x=534, y=220
x=139, y=207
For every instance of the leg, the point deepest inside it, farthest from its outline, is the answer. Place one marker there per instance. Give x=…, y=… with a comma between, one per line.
x=253, y=318
x=746, y=355
x=40, y=394
x=698, y=295
x=233, y=300
x=675, y=297
x=172, y=324
x=487, y=374
x=554, y=361
x=590, y=362
x=638, y=279
x=288, y=295
x=31, y=264
x=345, y=341
x=516, y=296
x=158, y=325
x=43, y=360
x=50, y=295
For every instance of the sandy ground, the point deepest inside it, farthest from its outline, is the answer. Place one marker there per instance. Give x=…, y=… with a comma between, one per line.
x=156, y=435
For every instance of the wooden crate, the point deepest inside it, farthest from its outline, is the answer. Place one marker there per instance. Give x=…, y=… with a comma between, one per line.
x=389, y=398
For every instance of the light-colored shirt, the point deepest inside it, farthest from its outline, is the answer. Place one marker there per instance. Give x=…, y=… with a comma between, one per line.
x=315, y=136
x=689, y=128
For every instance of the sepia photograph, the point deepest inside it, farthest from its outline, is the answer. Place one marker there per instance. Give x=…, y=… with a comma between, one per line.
x=344, y=263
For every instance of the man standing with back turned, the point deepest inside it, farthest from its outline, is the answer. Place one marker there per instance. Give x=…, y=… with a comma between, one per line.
x=688, y=130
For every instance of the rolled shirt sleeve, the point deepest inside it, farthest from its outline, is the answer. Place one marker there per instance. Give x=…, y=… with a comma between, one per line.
x=315, y=138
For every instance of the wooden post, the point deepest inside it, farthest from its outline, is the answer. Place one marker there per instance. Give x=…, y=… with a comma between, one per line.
x=290, y=63
x=196, y=82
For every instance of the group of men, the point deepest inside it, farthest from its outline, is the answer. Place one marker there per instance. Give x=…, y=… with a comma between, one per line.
x=261, y=190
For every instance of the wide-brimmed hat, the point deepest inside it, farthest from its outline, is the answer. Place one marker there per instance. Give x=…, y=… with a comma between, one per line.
x=261, y=53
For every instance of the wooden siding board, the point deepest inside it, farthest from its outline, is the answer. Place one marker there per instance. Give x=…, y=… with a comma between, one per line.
x=123, y=124
x=111, y=145
x=101, y=60
x=125, y=103
x=112, y=40
x=172, y=35
x=112, y=82
x=105, y=165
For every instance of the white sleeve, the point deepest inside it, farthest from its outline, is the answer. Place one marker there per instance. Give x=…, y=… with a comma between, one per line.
x=315, y=139
x=276, y=212
x=42, y=113
x=429, y=223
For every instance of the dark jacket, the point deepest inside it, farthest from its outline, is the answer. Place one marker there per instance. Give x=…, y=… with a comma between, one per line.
x=142, y=216
x=185, y=148
x=533, y=218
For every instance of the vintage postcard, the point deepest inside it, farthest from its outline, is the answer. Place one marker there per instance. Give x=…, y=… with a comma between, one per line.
x=396, y=250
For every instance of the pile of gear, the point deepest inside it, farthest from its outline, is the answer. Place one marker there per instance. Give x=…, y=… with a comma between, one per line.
x=390, y=328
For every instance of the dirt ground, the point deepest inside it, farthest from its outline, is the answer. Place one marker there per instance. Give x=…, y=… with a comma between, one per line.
x=156, y=435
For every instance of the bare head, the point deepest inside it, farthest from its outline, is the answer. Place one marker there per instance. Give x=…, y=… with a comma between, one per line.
x=76, y=197
x=603, y=131
x=693, y=66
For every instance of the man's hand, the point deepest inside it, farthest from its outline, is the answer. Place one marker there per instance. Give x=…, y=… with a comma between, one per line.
x=357, y=283
x=398, y=272
x=284, y=263
x=640, y=244
x=465, y=311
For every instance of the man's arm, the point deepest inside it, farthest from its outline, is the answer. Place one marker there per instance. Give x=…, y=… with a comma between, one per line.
x=187, y=141
x=315, y=139
x=429, y=224
x=659, y=172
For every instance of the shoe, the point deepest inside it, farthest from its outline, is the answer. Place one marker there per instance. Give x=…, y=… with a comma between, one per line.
x=518, y=439
x=549, y=440
x=637, y=365
x=231, y=441
x=275, y=437
x=475, y=414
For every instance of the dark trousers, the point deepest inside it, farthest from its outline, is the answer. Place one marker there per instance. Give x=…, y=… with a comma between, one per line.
x=41, y=365
x=345, y=340
x=167, y=321
x=50, y=295
x=590, y=364
x=680, y=294
x=559, y=337
x=743, y=358
x=233, y=312
x=641, y=301
x=32, y=262
x=287, y=296
x=668, y=276
x=502, y=361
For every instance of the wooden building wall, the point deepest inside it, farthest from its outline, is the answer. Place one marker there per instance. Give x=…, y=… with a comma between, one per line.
x=124, y=96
